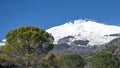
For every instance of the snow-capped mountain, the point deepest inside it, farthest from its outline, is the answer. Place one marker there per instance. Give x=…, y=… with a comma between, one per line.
x=82, y=31
x=2, y=42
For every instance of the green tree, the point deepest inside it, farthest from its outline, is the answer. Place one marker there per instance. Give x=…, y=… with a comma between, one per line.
x=42, y=64
x=25, y=46
x=104, y=60
x=73, y=61
x=31, y=38
x=53, y=60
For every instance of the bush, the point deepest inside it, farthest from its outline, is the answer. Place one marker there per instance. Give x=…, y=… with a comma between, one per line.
x=104, y=60
x=73, y=61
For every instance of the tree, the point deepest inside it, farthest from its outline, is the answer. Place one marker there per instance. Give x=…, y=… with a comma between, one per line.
x=73, y=61
x=53, y=60
x=25, y=46
x=50, y=59
x=104, y=60
x=31, y=38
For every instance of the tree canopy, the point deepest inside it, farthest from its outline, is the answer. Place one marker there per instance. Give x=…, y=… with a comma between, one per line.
x=73, y=61
x=30, y=37
x=104, y=60
x=25, y=46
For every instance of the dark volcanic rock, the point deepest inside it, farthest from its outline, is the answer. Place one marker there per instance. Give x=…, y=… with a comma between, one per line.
x=65, y=40
x=80, y=42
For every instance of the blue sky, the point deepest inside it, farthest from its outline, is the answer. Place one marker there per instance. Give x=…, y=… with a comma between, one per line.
x=49, y=13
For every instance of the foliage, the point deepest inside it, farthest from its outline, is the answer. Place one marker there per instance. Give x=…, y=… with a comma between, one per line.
x=42, y=64
x=31, y=38
x=25, y=47
x=73, y=61
x=104, y=60
x=53, y=60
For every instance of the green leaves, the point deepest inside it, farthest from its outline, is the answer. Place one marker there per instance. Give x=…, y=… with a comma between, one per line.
x=25, y=46
x=104, y=60
x=30, y=37
x=73, y=61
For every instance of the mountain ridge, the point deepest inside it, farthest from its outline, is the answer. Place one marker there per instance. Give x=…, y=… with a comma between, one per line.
x=96, y=33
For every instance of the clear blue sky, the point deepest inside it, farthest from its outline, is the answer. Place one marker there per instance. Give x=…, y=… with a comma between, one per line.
x=49, y=13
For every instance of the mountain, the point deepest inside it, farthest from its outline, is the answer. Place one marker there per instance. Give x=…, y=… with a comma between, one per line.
x=113, y=46
x=84, y=33
x=2, y=42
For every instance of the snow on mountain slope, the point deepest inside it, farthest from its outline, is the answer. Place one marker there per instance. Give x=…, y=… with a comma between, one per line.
x=2, y=42
x=96, y=33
